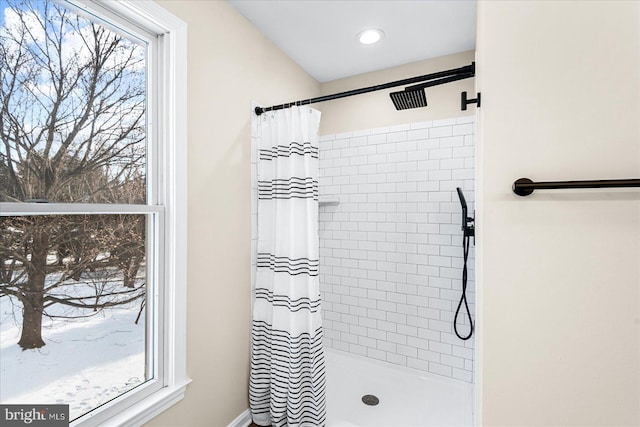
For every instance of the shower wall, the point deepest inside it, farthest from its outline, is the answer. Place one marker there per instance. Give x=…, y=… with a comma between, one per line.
x=391, y=251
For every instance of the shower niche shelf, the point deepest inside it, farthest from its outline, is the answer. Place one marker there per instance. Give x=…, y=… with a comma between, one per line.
x=329, y=201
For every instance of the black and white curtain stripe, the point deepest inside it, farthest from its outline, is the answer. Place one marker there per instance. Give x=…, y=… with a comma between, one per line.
x=293, y=148
x=287, y=381
x=294, y=187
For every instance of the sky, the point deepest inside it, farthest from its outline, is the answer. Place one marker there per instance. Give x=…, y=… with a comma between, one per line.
x=3, y=6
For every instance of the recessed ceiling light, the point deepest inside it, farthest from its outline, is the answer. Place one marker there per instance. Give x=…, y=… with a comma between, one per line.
x=370, y=36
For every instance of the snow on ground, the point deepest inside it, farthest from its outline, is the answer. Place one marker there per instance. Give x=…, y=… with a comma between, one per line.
x=85, y=363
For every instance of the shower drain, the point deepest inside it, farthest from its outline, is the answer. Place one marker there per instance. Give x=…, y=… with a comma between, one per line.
x=370, y=399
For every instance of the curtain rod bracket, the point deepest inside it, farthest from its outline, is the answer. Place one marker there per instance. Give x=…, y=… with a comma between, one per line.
x=464, y=101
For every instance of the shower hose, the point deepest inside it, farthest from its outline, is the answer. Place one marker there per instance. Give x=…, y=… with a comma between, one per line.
x=463, y=298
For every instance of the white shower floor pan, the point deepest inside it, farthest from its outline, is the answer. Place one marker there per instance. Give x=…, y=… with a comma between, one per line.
x=408, y=397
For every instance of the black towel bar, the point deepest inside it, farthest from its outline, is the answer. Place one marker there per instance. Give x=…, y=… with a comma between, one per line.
x=524, y=186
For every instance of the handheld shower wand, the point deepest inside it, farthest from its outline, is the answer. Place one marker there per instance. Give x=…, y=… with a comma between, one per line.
x=467, y=222
x=468, y=232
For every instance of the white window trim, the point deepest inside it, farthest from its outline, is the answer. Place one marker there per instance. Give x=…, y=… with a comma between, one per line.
x=172, y=125
x=172, y=200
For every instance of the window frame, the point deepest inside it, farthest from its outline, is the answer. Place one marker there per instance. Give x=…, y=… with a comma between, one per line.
x=166, y=200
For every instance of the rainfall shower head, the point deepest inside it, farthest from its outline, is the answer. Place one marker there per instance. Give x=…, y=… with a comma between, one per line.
x=409, y=98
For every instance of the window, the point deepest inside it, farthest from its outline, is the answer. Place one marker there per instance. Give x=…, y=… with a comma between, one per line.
x=92, y=207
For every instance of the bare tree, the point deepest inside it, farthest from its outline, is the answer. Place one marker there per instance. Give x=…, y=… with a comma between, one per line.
x=88, y=281
x=72, y=130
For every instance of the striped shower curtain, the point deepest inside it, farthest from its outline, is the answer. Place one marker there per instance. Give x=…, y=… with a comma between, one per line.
x=287, y=381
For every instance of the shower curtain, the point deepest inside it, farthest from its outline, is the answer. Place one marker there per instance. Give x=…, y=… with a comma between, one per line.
x=287, y=381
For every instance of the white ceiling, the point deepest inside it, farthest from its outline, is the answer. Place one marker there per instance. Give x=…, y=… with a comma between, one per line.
x=320, y=35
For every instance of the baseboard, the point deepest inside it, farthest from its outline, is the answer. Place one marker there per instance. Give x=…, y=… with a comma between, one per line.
x=242, y=420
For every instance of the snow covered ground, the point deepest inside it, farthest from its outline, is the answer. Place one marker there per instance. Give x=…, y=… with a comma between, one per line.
x=85, y=363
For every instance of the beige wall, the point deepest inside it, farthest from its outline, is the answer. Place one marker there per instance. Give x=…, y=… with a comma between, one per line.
x=230, y=63
x=372, y=110
x=559, y=275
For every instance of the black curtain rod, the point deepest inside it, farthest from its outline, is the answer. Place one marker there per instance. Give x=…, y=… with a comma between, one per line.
x=441, y=81
x=524, y=186
x=442, y=78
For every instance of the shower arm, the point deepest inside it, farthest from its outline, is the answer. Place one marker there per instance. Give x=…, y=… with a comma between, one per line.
x=426, y=80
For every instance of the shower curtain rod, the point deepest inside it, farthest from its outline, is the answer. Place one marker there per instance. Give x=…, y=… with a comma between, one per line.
x=427, y=80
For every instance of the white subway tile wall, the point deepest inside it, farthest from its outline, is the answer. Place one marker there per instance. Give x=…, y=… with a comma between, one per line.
x=391, y=251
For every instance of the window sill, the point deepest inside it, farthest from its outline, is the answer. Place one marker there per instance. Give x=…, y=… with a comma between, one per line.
x=149, y=408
